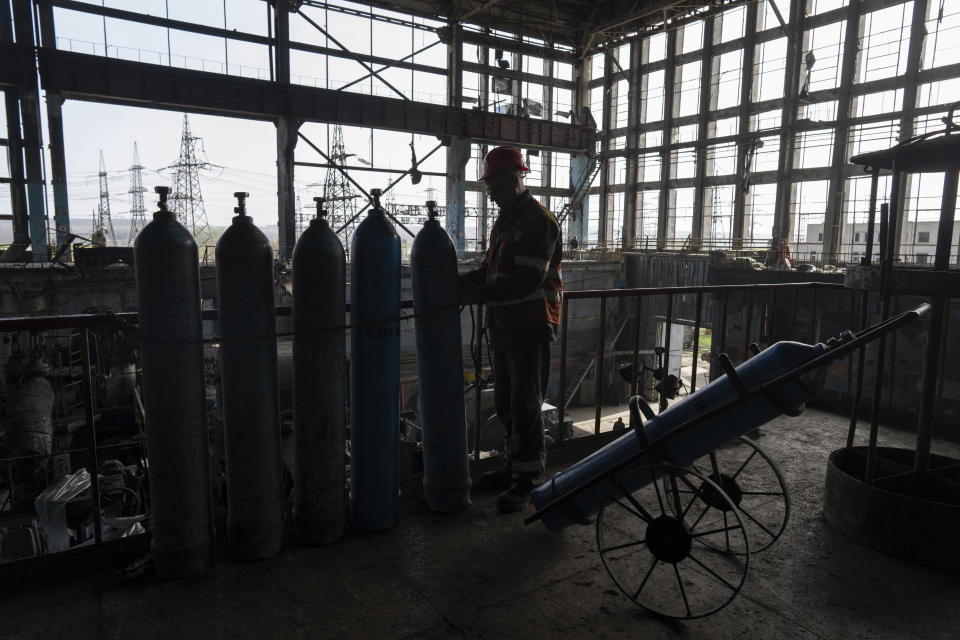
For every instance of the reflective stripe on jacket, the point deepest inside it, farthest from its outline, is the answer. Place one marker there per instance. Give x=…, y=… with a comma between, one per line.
x=543, y=304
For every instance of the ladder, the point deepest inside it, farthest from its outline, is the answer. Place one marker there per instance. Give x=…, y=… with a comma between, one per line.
x=612, y=333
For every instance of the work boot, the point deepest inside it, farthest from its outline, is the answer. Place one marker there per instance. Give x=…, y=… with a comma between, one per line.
x=516, y=497
x=496, y=480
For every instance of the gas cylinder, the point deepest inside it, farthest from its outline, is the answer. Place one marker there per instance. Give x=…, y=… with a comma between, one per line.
x=319, y=382
x=375, y=371
x=446, y=472
x=687, y=446
x=174, y=398
x=248, y=378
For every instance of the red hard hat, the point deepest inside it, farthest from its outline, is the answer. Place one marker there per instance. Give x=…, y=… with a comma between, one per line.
x=501, y=159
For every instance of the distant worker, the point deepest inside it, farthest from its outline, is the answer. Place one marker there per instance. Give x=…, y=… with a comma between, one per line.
x=574, y=246
x=519, y=281
x=619, y=425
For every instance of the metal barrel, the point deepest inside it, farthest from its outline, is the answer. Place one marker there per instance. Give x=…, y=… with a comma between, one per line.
x=375, y=372
x=319, y=383
x=626, y=454
x=30, y=418
x=248, y=376
x=446, y=471
x=171, y=354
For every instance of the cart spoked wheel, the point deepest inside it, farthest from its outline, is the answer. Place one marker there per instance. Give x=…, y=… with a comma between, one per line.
x=645, y=538
x=753, y=483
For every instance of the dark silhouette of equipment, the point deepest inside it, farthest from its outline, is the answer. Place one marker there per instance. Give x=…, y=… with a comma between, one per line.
x=667, y=385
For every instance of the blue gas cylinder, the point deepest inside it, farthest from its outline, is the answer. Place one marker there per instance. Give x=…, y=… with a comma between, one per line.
x=375, y=372
x=446, y=472
x=248, y=378
x=686, y=447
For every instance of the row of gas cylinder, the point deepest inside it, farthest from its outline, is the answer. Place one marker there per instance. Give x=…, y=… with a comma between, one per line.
x=168, y=295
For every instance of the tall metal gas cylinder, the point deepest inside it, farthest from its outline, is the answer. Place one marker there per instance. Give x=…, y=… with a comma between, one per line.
x=446, y=471
x=248, y=378
x=319, y=382
x=174, y=398
x=375, y=371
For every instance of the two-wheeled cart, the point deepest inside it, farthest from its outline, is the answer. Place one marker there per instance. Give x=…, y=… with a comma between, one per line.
x=682, y=499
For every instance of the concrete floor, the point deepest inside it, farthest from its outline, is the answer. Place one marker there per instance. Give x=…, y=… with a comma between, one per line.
x=479, y=574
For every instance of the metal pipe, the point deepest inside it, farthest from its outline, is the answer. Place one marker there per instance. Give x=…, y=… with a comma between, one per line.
x=861, y=363
x=772, y=316
x=935, y=333
x=813, y=318
x=477, y=372
x=93, y=464
x=565, y=310
x=634, y=384
x=928, y=388
x=874, y=180
x=696, y=343
x=892, y=364
x=885, y=265
x=598, y=369
x=793, y=319
x=666, y=352
x=724, y=307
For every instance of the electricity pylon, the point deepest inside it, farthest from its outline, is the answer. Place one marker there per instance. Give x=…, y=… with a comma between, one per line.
x=103, y=225
x=138, y=212
x=339, y=193
x=187, y=199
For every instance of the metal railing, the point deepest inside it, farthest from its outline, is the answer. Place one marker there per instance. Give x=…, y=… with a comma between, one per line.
x=756, y=295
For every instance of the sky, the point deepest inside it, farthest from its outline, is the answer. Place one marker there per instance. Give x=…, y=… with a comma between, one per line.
x=241, y=153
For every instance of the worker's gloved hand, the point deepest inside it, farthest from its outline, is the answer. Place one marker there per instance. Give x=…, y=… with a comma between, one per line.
x=468, y=293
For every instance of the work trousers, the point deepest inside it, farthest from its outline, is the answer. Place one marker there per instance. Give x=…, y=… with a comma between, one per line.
x=520, y=380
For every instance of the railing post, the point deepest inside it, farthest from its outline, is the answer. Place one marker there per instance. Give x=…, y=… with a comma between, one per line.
x=634, y=384
x=666, y=352
x=563, y=370
x=696, y=342
x=598, y=369
x=93, y=465
x=477, y=377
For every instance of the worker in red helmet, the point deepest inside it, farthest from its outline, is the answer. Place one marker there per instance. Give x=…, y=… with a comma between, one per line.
x=520, y=283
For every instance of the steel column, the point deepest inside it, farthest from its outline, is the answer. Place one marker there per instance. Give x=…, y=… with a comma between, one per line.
x=58, y=161
x=32, y=135
x=833, y=218
x=746, y=99
x=781, y=223
x=458, y=153
x=918, y=32
x=669, y=75
x=287, y=200
x=703, y=122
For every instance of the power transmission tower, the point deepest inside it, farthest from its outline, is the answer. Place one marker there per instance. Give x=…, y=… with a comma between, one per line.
x=186, y=199
x=339, y=193
x=103, y=225
x=138, y=212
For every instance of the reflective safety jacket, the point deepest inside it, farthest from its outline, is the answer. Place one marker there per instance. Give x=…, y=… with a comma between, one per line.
x=524, y=253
